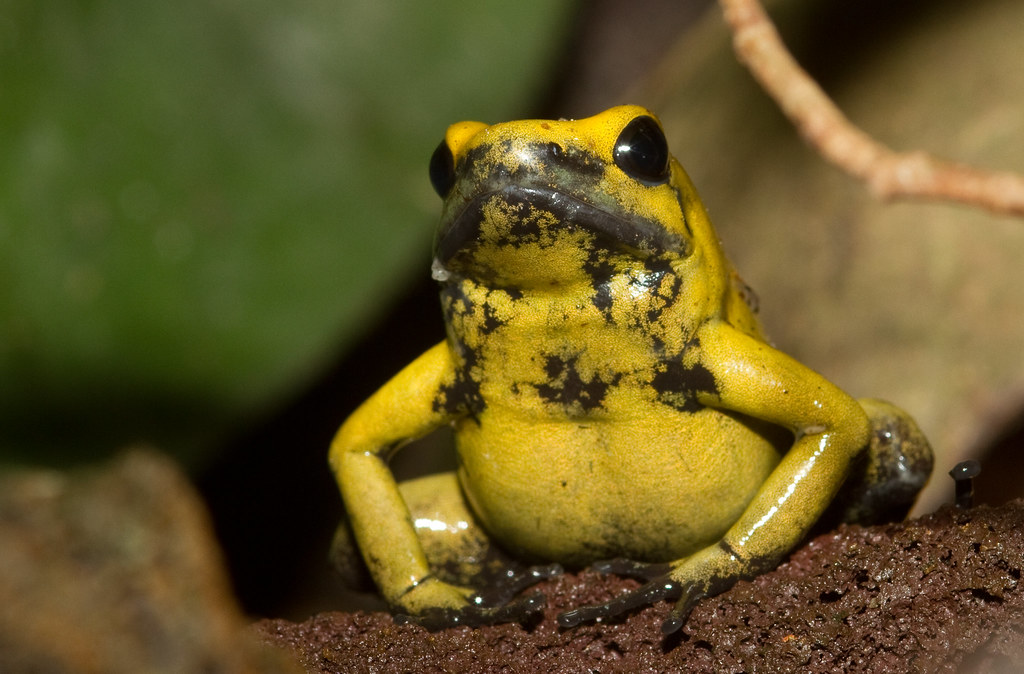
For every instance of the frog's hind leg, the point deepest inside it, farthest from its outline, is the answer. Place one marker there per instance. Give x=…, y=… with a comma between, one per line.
x=457, y=548
x=887, y=476
x=459, y=552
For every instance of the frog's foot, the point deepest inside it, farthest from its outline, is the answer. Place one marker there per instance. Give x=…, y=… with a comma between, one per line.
x=512, y=582
x=704, y=574
x=686, y=597
x=684, y=605
x=632, y=568
x=653, y=591
x=886, y=477
x=493, y=605
x=658, y=587
x=434, y=619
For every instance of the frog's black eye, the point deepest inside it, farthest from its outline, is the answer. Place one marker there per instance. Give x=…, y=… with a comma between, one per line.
x=442, y=169
x=641, y=151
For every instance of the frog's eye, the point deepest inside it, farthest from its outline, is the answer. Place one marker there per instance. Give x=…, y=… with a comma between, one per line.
x=641, y=151
x=442, y=169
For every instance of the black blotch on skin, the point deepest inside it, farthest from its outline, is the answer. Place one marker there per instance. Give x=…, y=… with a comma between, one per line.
x=584, y=166
x=677, y=385
x=479, y=154
x=602, y=298
x=657, y=270
x=491, y=322
x=462, y=396
x=455, y=303
x=567, y=388
x=600, y=269
x=525, y=227
x=654, y=314
x=660, y=266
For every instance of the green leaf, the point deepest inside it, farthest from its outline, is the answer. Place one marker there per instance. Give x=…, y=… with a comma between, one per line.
x=199, y=201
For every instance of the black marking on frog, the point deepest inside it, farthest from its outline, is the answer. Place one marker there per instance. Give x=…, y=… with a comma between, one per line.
x=600, y=267
x=458, y=307
x=572, y=164
x=567, y=388
x=478, y=157
x=491, y=321
x=525, y=223
x=578, y=200
x=648, y=294
x=455, y=304
x=677, y=385
x=602, y=299
x=462, y=396
x=663, y=297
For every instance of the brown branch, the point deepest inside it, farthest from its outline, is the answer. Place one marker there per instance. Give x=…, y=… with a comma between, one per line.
x=889, y=174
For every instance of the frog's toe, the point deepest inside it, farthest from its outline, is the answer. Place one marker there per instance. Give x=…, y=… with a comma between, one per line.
x=512, y=582
x=655, y=590
x=691, y=594
x=632, y=568
x=521, y=611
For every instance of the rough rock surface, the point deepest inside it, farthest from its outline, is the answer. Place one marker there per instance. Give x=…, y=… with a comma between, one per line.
x=937, y=594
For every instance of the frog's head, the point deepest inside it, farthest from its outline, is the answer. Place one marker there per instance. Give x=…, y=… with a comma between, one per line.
x=538, y=204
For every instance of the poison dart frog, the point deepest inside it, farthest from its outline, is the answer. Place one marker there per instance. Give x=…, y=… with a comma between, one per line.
x=614, y=401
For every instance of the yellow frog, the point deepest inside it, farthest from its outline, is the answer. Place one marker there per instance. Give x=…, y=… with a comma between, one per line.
x=611, y=392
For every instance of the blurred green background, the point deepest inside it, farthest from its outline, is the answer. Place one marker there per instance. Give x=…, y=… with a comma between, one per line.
x=201, y=203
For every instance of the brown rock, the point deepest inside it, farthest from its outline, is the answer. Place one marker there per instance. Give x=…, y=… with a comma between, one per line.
x=116, y=570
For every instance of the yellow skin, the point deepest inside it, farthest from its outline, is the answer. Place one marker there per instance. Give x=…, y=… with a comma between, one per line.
x=610, y=389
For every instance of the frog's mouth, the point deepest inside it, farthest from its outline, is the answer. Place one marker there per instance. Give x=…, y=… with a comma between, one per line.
x=528, y=210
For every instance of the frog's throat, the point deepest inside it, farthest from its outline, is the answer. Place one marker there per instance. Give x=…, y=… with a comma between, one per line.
x=641, y=236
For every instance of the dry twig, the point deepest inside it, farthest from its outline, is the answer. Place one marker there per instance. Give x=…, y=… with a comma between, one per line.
x=889, y=174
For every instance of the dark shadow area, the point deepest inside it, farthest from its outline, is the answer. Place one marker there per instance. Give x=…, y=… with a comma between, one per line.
x=831, y=39
x=273, y=499
x=94, y=414
x=1002, y=467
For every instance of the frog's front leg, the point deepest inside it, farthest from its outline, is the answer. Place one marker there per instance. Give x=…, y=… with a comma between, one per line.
x=458, y=551
x=403, y=409
x=385, y=531
x=829, y=430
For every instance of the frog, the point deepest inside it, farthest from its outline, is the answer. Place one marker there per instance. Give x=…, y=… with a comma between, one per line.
x=614, y=400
